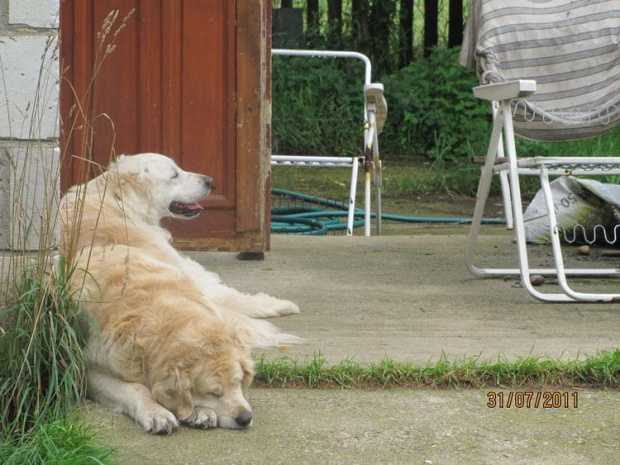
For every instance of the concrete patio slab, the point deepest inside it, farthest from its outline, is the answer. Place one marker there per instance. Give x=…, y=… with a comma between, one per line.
x=407, y=297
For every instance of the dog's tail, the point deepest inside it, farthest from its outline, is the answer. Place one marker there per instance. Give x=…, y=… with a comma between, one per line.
x=258, y=333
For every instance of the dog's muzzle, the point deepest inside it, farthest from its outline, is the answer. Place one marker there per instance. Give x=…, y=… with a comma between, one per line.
x=190, y=210
x=244, y=419
x=185, y=209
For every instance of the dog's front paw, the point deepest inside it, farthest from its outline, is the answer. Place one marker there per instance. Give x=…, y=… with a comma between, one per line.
x=157, y=420
x=201, y=418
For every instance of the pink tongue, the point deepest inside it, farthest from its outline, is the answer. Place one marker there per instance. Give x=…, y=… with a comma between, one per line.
x=194, y=206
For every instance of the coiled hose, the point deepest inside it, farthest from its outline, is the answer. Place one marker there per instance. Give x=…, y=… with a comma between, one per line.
x=318, y=221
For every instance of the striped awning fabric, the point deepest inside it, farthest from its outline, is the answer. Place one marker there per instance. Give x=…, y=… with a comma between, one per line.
x=570, y=47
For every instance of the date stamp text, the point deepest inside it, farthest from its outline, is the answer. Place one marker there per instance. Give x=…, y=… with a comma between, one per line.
x=532, y=399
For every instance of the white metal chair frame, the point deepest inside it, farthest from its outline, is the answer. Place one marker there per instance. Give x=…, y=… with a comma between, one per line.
x=502, y=144
x=375, y=113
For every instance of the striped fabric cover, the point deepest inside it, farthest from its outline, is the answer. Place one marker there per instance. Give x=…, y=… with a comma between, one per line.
x=570, y=47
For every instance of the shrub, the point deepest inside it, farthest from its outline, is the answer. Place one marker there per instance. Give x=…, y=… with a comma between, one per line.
x=317, y=106
x=433, y=112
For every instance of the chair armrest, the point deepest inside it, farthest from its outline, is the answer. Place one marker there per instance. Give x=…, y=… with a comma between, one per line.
x=505, y=90
x=374, y=96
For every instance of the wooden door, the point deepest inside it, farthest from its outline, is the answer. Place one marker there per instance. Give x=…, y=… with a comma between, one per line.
x=186, y=78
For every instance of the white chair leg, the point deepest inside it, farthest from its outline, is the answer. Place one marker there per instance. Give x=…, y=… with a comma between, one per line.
x=378, y=186
x=561, y=271
x=376, y=114
x=367, y=205
x=484, y=187
x=352, y=194
x=503, y=177
x=369, y=137
x=503, y=122
x=517, y=207
x=377, y=176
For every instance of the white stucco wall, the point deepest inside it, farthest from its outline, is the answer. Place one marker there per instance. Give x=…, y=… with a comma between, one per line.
x=28, y=117
x=29, y=90
x=34, y=13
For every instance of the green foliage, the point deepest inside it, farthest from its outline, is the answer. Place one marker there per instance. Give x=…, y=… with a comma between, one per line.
x=607, y=145
x=372, y=27
x=43, y=365
x=317, y=109
x=317, y=106
x=42, y=368
x=432, y=110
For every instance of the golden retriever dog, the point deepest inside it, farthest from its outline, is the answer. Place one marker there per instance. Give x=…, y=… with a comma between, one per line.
x=168, y=342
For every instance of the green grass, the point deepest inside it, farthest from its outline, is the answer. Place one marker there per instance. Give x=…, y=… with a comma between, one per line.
x=606, y=145
x=420, y=176
x=66, y=441
x=401, y=180
x=430, y=178
x=599, y=371
x=43, y=366
x=42, y=381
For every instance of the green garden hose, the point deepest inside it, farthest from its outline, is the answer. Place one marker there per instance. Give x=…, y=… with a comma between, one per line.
x=316, y=221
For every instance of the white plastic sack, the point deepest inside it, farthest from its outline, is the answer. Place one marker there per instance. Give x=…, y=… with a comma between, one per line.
x=587, y=212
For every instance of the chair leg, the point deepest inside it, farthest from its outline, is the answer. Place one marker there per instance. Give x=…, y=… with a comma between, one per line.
x=377, y=176
x=503, y=178
x=367, y=204
x=484, y=187
x=352, y=194
x=517, y=208
x=503, y=123
x=378, y=186
x=561, y=271
x=369, y=137
x=503, y=128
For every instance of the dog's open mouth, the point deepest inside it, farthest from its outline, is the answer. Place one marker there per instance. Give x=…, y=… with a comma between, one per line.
x=186, y=209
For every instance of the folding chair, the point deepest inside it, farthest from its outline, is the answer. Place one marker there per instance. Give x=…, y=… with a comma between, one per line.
x=551, y=70
x=375, y=114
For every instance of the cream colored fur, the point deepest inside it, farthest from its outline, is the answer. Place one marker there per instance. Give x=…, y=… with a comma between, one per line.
x=169, y=342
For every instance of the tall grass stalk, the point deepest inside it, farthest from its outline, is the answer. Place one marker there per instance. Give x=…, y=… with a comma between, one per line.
x=42, y=330
x=43, y=361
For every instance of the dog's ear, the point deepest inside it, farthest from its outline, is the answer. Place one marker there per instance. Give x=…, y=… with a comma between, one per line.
x=143, y=176
x=173, y=392
x=112, y=166
x=123, y=183
x=248, y=375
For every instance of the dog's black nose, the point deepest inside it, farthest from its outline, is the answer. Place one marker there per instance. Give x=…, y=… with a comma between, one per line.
x=244, y=418
x=208, y=181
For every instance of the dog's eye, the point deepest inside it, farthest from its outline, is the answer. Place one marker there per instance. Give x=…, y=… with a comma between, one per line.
x=175, y=174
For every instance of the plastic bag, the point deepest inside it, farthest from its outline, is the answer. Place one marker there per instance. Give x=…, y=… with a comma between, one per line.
x=587, y=212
